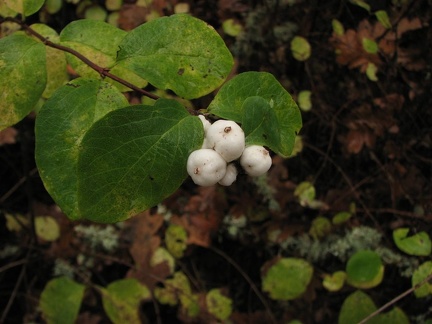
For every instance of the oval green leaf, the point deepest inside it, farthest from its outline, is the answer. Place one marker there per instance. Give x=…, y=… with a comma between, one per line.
x=60, y=127
x=99, y=42
x=420, y=274
x=22, y=77
x=418, y=244
x=25, y=7
x=356, y=307
x=364, y=270
x=121, y=300
x=176, y=240
x=47, y=228
x=61, y=300
x=218, y=305
x=300, y=48
x=133, y=158
x=180, y=53
x=230, y=103
x=287, y=279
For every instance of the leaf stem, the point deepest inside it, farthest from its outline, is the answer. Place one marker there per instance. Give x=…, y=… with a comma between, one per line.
x=102, y=71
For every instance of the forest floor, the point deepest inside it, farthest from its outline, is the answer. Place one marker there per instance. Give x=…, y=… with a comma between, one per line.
x=365, y=148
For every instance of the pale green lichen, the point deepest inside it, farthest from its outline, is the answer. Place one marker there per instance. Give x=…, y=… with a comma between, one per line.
x=343, y=246
x=267, y=192
x=106, y=238
x=63, y=268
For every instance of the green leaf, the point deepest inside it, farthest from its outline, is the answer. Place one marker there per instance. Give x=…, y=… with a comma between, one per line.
x=176, y=240
x=361, y=4
x=229, y=103
x=396, y=315
x=383, y=18
x=304, y=100
x=258, y=123
x=300, y=48
x=60, y=300
x=418, y=244
x=359, y=305
x=121, y=300
x=218, y=305
x=305, y=192
x=335, y=281
x=25, y=7
x=232, y=27
x=174, y=288
x=47, y=228
x=370, y=46
x=341, y=217
x=53, y=6
x=56, y=69
x=133, y=158
x=356, y=307
x=420, y=274
x=22, y=77
x=5, y=11
x=180, y=52
x=338, y=28
x=320, y=227
x=364, y=270
x=99, y=42
x=60, y=127
x=287, y=279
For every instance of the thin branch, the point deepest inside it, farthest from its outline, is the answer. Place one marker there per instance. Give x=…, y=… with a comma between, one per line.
x=102, y=71
x=248, y=279
x=395, y=300
x=17, y=185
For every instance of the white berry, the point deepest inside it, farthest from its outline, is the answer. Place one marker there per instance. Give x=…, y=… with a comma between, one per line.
x=205, y=122
x=227, y=138
x=206, y=167
x=255, y=160
x=230, y=175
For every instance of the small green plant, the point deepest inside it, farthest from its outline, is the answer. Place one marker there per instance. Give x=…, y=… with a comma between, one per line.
x=106, y=161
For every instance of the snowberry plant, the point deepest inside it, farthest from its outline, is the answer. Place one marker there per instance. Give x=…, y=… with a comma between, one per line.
x=105, y=160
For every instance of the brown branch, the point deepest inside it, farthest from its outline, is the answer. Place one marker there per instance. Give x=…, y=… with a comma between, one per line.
x=102, y=71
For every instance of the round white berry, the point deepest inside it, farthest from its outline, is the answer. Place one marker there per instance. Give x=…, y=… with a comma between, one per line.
x=230, y=175
x=206, y=167
x=227, y=138
x=255, y=160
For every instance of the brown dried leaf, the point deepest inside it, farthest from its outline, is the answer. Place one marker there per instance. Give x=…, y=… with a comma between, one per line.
x=202, y=215
x=145, y=241
x=8, y=136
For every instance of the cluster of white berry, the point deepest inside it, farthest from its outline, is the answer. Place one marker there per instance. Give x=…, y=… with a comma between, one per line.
x=224, y=143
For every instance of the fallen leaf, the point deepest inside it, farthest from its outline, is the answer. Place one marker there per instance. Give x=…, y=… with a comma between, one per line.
x=8, y=136
x=145, y=242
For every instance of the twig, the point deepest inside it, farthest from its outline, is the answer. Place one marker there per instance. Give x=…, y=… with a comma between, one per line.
x=102, y=71
x=248, y=279
x=15, y=290
x=17, y=185
x=395, y=300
